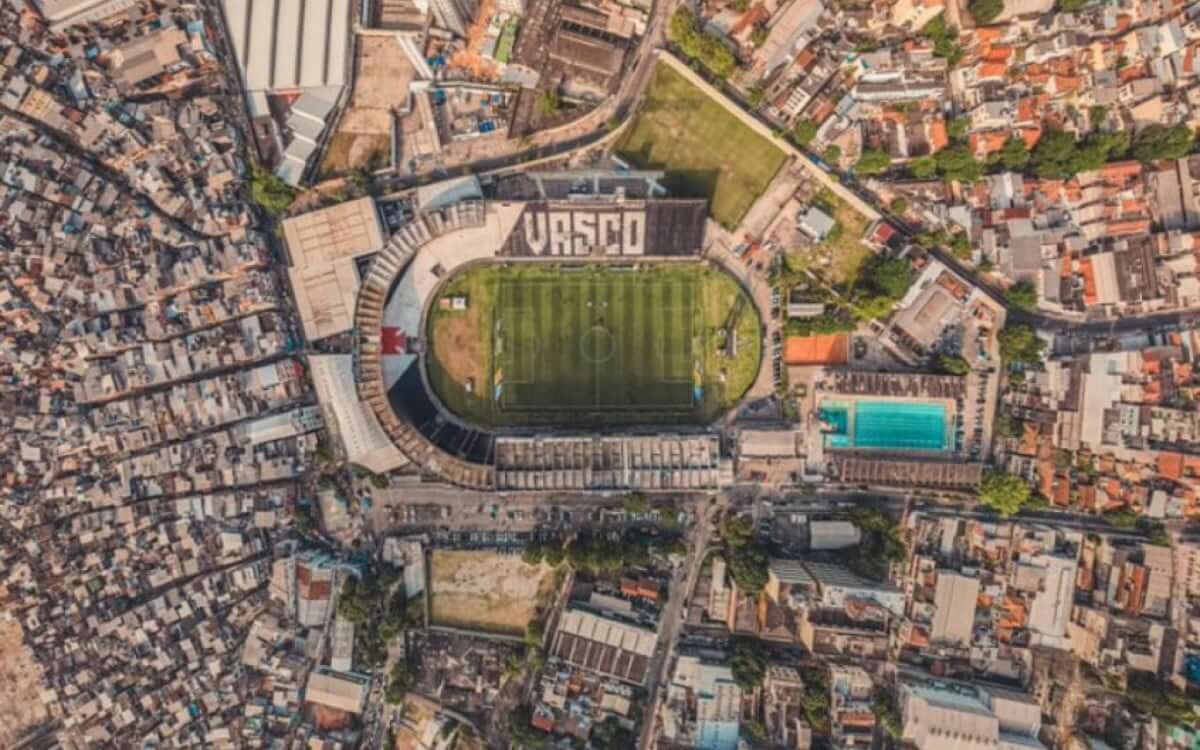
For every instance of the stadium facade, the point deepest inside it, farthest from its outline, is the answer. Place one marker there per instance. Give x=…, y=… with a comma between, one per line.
x=591, y=217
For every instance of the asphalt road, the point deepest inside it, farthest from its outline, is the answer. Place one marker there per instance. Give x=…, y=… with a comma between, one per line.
x=682, y=585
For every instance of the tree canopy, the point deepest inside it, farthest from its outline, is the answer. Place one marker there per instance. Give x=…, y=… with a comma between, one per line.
x=1003, y=492
x=986, y=11
x=271, y=193
x=704, y=48
x=957, y=163
x=749, y=664
x=945, y=40
x=1058, y=155
x=888, y=276
x=953, y=364
x=1023, y=295
x=1157, y=142
x=746, y=557
x=804, y=131
x=1013, y=155
x=872, y=161
x=923, y=167
x=1020, y=345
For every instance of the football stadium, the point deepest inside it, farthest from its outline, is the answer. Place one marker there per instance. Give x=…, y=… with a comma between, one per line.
x=602, y=345
x=560, y=332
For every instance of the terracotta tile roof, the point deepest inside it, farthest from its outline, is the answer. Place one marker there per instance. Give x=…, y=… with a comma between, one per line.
x=938, y=137
x=1031, y=136
x=1130, y=226
x=992, y=70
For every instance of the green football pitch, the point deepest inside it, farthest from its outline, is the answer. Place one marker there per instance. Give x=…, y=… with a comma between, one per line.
x=592, y=346
x=595, y=342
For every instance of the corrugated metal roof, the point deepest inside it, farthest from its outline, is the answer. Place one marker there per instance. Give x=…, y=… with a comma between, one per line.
x=287, y=43
x=314, y=42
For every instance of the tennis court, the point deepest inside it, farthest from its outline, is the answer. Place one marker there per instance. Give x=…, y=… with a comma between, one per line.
x=885, y=424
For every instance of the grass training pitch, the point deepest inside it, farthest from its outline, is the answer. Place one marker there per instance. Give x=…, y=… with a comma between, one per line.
x=593, y=345
x=484, y=590
x=706, y=151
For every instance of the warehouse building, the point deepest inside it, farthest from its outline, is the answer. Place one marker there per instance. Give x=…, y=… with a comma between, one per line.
x=61, y=14
x=297, y=48
x=605, y=646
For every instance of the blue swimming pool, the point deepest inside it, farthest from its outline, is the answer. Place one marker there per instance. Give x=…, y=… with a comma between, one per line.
x=884, y=425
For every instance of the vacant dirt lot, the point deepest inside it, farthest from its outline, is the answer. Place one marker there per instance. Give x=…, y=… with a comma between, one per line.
x=382, y=77
x=487, y=591
x=20, y=683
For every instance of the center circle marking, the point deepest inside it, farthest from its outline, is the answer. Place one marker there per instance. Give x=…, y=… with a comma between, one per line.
x=597, y=345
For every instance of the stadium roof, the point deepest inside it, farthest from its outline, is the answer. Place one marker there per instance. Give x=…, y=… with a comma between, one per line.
x=323, y=246
x=366, y=443
x=290, y=44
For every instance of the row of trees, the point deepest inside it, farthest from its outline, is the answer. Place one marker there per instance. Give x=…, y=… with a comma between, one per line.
x=699, y=46
x=747, y=558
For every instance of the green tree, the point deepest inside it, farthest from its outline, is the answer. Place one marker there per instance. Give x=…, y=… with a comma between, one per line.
x=704, y=48
x=1020, y=345
x=1014, y=155
x=749, y=664
x=923, y=167
x=872, y=161
x=550, y=103
x=804, y=131
x=272, y=194
x=889, y=276
x=958, y=128
x=1053, y=156
x=1157, y=142
x=1005, y=426
x=553, y=553
x=868, y=307
x=356, y=601
x=746, y=557
x=1071, y=6
x=957, y=163
x=945, y=40
x=1097, y=114
x=953, y=364
x=960, y=245
x=899, y=205
x=535, y=632
x=1003, y=492
x=833, y=154
x=1022, y=295
x=1122, y=520
x=400, y=680
x=887, y=714
x=986, y=11
x=635, y=503
x=758, y=36
x=533, y=554
x=610, y=735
